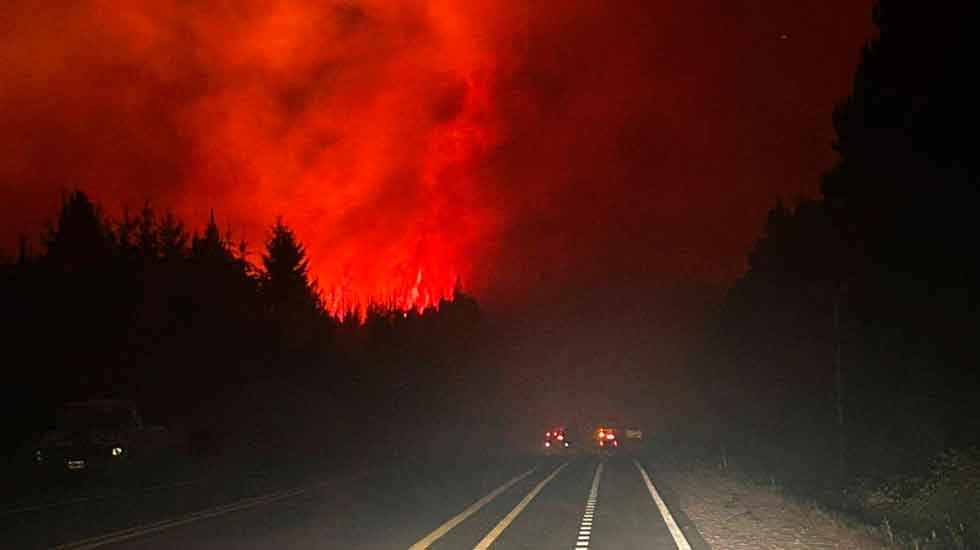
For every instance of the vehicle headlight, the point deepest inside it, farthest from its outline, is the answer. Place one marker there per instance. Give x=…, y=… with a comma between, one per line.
x=117, y=451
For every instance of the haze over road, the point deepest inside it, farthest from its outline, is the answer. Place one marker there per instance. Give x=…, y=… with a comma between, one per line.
x=583, y=502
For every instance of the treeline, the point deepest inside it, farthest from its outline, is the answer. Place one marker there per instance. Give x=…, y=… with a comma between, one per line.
x=844, y=363
x=206, y=339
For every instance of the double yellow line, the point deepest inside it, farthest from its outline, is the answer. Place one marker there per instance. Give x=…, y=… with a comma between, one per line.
x=505, y=523
x=440, y=531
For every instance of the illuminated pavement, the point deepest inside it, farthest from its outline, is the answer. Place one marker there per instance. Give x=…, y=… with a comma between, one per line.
x=536, y=503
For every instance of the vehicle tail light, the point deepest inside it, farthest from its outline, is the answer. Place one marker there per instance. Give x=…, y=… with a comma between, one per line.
x=560, y=437
x=547, y=444
x=610, y=436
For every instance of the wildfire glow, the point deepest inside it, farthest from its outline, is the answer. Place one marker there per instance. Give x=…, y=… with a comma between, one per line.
x=359, y=122
x=527, y=149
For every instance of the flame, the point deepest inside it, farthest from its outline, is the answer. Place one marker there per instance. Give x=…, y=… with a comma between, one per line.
x=425, y=267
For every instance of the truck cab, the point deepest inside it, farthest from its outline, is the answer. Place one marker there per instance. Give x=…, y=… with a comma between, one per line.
x=97, y=434
x=607, y=437
x=556, y=441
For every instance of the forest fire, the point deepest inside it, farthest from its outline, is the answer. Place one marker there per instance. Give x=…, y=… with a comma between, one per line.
x=358, y=123
x=505, y=144
x=343, y=299
x=424, y=265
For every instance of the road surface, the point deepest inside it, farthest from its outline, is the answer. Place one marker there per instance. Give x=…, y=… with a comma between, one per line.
x=573, y=502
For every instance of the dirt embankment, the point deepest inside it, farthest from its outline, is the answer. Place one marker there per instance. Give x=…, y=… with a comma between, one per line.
x=732, y=515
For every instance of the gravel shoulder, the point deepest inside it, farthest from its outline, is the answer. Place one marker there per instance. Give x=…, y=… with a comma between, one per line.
x=733, y=515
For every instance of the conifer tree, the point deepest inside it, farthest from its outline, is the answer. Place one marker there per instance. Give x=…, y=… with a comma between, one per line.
x=78, y=239
x=285, y=282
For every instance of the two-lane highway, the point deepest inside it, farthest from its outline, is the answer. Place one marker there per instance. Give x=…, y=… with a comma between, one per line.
x=575, y=502
x=581, y=503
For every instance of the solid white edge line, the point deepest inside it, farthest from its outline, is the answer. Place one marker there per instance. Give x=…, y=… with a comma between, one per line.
x=440, y=531
x=91, y=498
x=113, y=537
x=675, y=531
x=141, y=530
x=505, y=523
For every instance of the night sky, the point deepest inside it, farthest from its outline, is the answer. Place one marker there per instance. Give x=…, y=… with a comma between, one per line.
x=537, y=150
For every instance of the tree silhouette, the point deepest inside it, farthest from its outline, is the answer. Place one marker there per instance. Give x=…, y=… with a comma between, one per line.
x=186, y=326
x=876, y=281
x=905, y=133
x=285, y=281
x=147, y=237
x=79, y=238
x=173, y=237
x=210, y=248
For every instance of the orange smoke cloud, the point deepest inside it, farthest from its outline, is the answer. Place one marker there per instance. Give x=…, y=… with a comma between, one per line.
x=357, y=122
x=526, y=148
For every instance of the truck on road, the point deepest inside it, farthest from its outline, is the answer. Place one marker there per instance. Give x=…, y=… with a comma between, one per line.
x=98, y=434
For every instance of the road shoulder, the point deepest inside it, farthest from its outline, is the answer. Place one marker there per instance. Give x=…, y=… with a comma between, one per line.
x=738, y=516
x=687, y=526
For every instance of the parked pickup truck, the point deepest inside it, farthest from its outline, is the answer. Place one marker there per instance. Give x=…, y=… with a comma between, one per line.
x=97, y=435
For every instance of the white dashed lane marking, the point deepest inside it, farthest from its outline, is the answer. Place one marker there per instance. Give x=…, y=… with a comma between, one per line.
x=585, y=528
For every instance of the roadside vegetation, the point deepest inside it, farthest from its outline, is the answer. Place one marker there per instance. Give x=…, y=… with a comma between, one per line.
x=842, y=367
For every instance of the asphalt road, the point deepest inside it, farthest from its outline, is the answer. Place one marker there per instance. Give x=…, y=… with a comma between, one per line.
x=584, y=502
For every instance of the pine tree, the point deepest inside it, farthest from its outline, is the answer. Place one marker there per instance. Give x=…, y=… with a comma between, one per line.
x=79, y=240
x=285, y=282
x=210, y=247
x=173, y=237
x=905, y=133
x=147, y=238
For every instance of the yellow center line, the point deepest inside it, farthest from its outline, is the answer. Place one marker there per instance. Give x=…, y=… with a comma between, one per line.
x=505, y=523
x=460, y=517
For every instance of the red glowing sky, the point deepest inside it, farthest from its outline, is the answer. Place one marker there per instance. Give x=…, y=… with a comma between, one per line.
x=534, y=149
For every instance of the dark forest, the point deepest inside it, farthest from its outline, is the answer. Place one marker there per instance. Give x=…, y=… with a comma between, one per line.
x=140, y=308
x=843, y=364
